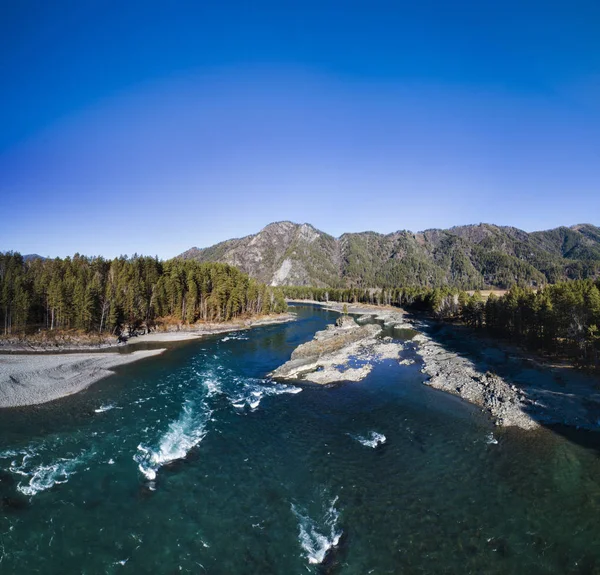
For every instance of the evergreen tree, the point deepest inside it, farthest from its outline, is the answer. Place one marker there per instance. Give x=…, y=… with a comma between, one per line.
x=125, y=293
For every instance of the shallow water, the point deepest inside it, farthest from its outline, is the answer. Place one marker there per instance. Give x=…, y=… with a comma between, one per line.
x=194, y=462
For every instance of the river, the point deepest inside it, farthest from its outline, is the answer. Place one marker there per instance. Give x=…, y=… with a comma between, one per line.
x=194, y=462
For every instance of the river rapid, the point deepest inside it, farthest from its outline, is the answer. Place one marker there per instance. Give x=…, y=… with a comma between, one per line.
x=195, y=462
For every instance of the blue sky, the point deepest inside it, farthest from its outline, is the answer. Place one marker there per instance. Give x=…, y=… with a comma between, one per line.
x=151, y=127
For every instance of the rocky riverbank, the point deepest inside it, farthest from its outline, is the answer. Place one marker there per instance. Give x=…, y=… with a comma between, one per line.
x=446, y=371
x=507, y=381
x=515, y=388
x=455, y=374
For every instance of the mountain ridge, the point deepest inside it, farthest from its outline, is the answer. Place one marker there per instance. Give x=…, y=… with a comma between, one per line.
x=467, y=256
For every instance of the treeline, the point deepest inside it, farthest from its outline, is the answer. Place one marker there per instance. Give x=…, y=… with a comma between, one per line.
x=560, y=320
x=373, y=296
x=95, y=294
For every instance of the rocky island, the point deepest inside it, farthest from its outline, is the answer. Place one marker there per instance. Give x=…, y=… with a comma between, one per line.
x=348, y=350
x=342, y=352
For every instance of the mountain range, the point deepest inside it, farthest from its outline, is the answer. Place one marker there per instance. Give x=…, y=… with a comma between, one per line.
x=469, y=257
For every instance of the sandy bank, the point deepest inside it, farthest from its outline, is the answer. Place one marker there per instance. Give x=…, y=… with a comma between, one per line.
x=33, y=379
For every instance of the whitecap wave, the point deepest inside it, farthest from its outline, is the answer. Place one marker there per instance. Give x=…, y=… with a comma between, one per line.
x=44, y=476
x=10, y=453
x=372, y=439
x=490, y=439
x=212, y=386
x=254, y=391
x=317, y=538
x=181, y=436
x=235, y=336
x=104, y=408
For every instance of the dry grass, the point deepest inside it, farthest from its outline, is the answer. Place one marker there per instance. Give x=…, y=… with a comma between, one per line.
x=487, y=292
x=58, y=337
x=497, y=292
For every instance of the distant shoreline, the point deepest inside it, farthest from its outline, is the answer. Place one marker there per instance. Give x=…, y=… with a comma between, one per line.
x=173, y=334
x=354, y=309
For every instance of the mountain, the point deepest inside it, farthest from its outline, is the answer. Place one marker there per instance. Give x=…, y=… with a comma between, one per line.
x=473, y=256
x=282, y=253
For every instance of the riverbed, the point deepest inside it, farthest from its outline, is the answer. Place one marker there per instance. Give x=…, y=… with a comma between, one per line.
x=193, y=461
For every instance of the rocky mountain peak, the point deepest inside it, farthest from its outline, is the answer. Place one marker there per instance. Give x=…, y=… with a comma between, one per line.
x=475, y=256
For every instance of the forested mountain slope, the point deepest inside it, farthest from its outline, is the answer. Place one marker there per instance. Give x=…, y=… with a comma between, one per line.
x=468, y=257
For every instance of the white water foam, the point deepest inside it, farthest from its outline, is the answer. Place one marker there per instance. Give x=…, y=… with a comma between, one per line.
x=181, y=436
x=104, y=408
x=212, y=386
x=44, y=476
x=10, y=453
x=317, y=538
x=235, y=336
x=372, y=439
x=254, y=391
x=490, y=439
x=210, y=380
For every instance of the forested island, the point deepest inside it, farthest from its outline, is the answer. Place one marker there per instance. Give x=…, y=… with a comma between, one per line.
x=93, y=294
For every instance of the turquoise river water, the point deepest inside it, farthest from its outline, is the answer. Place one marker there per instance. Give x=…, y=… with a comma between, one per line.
x=195, y=462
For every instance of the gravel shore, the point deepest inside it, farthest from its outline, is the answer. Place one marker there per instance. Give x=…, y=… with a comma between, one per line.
x=33, y=379
x=458, y=375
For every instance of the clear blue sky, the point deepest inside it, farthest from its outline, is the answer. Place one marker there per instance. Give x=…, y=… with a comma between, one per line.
x=152, y=127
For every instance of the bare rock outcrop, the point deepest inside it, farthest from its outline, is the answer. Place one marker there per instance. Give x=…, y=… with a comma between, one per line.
x=325, y=358
x=458, y=375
